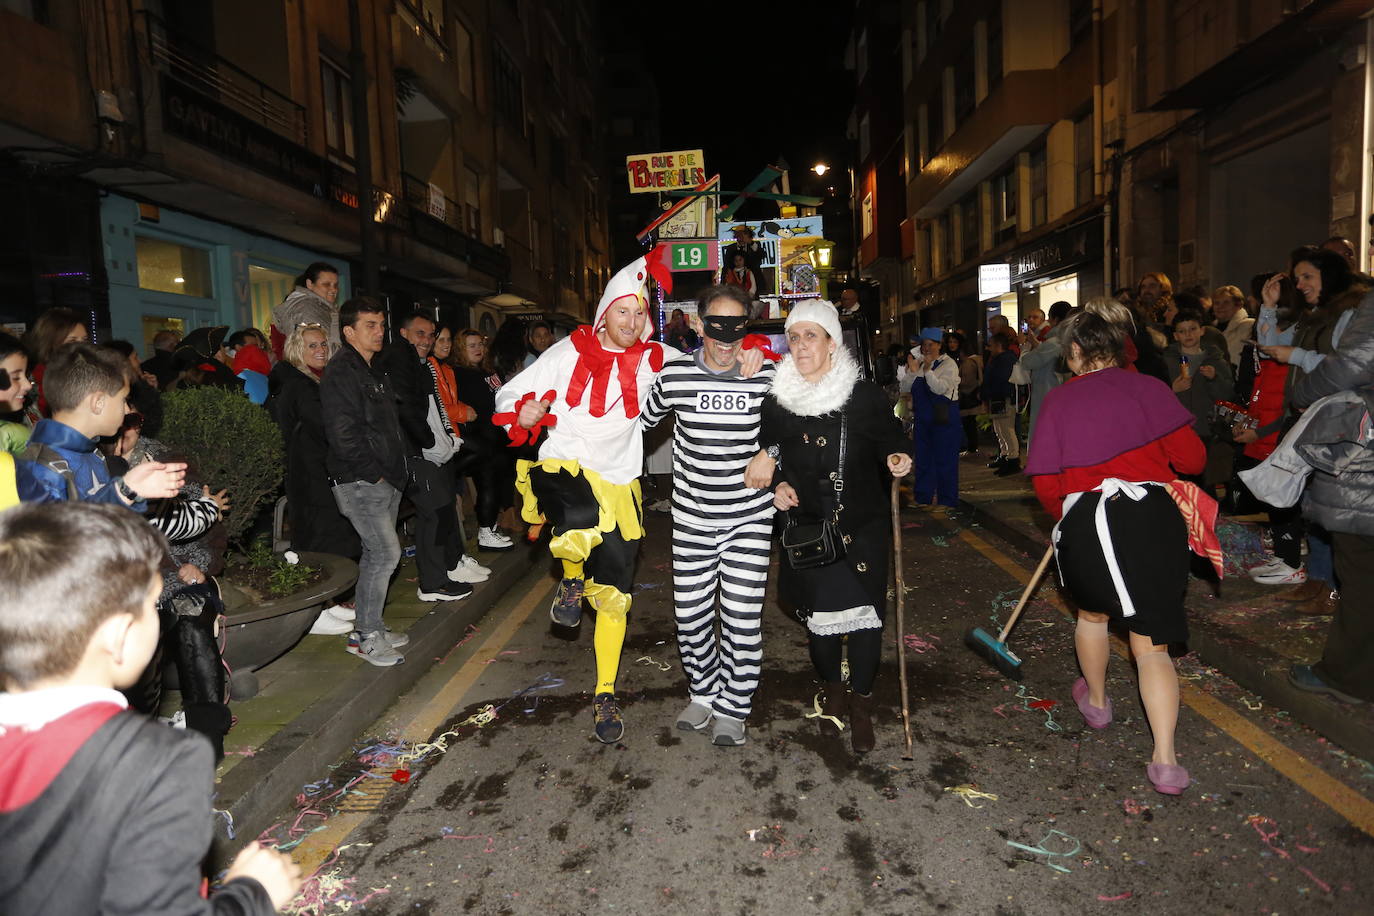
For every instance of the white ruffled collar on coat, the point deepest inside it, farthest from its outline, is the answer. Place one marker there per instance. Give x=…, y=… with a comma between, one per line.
x=812, y=399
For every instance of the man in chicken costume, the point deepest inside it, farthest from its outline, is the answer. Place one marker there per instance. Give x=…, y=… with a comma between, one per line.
x=582, y=396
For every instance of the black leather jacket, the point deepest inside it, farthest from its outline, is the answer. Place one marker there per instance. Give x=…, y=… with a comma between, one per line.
x=360, y=422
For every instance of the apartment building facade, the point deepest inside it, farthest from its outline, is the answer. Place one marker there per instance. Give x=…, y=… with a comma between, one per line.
x=1082, y=143
x=205, y=153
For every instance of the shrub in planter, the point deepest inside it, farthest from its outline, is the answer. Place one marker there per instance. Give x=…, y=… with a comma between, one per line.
x=233, y=445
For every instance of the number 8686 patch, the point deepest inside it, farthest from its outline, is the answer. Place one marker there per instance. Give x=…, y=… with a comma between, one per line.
x=722, y=402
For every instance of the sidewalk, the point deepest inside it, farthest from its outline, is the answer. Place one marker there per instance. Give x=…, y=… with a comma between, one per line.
x=1246, y=631
x=315, y=700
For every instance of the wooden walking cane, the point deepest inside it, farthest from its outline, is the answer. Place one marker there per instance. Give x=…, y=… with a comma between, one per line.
x=900, y=592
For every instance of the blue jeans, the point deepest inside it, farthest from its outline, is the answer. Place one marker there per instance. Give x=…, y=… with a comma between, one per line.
x=371, y=507
x=1320, y=564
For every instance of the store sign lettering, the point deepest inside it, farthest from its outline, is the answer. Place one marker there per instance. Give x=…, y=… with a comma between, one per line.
x=665, y=171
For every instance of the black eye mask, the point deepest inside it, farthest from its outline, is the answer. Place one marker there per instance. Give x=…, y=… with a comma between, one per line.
x=725, y=328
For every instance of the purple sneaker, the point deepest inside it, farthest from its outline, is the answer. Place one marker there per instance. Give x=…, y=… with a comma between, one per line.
x=1095, y=716
x=1168, y=779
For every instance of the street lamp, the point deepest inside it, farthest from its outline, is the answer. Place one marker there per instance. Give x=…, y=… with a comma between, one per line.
x=820, y=168
x=820, y=254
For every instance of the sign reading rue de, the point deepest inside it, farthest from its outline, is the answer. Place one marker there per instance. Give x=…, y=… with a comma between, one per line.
x=665, y=171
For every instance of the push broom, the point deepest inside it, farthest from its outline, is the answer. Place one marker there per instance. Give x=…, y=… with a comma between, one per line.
x=995, y=651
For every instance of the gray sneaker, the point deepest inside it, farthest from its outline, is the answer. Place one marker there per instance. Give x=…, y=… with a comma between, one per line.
x=393, y=639
x=694, y=718
x=375, y=650
x=727, y=732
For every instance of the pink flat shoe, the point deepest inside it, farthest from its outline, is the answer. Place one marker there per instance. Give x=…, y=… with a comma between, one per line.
x=1167, y=778
x=1095, y=716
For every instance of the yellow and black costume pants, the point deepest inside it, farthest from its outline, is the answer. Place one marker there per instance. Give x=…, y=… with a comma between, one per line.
x=595, y=529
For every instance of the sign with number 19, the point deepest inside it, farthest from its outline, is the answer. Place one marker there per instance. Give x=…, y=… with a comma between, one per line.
x=693, y=254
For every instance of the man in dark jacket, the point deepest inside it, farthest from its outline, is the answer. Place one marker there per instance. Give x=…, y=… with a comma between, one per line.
x=429, y=486
x=1344, y=504
x=367, y=465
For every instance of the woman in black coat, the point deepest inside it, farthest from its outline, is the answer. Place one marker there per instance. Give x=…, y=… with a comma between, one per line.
x=294, y=400
x=486, y=457
x=816, y=401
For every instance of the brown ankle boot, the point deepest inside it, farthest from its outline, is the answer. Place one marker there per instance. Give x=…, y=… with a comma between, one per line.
x=832, y=707
x=861, y=722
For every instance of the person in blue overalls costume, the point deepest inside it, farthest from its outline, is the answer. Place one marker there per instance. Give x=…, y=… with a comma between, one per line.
x=938, y=434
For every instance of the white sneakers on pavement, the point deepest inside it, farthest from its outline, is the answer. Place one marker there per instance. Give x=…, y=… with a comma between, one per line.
x=332, y=623
x=1277, y=572
x=491, y=539
x=469, y=571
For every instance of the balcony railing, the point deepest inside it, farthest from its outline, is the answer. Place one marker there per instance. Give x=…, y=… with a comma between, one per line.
x=204, y=71
x=454, y=234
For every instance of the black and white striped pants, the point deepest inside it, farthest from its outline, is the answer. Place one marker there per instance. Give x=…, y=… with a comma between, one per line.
x=725, y=567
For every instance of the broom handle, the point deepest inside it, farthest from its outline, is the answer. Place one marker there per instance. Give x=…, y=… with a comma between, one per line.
x=1025, y=595
x=900, y=592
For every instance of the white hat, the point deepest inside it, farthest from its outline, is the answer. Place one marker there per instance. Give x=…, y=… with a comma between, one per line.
x=820, y=312
x=631, y=282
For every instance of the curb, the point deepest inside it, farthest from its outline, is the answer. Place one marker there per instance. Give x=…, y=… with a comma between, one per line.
x=1253, y=667
x=265, y=784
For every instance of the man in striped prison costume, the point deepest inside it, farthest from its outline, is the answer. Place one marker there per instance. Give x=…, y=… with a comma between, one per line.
x=722, y=528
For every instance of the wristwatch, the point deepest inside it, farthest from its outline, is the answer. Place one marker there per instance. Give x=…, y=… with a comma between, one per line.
x=123, y=490
x=773, y=452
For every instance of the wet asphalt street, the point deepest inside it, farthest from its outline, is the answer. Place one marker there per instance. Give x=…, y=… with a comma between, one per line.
x=1010, y=805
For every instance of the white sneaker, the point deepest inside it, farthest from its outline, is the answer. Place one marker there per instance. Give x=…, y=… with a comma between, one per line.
x=491, y=539
x=1271, y=565
x=328, y=625
x=1285, y=575
x=175, y=720
x=375, y=650
x=470, y=571
x=341, y=612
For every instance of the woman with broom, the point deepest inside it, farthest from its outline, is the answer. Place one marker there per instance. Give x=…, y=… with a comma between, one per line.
x=816, y=411
x=1105, y=456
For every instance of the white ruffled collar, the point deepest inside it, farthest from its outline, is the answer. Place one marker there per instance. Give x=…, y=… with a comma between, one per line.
x=812, y=399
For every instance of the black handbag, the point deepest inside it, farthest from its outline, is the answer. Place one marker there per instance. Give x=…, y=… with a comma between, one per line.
x=812, y=544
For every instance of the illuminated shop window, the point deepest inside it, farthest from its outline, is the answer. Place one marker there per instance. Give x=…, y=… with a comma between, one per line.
x=171, y=268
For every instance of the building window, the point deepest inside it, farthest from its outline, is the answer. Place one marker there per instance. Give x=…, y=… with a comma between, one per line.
x=945, y=225
x=535, y=256
x=1004, y=206
x=995, y=46
x=1080, y=21
x=467, y=62
x=965, y=88
x=923, y=140
x=1083, y=159
x=908, y=149
x=1039, y=192
x=969, y=241
x=558, y=157
x=861, y=56
x=508, y=89
x=866, y=213
x=472, y=202
x=338, y=111
x=935, y=119
x=167, y=267
x=932, y=19
x=865, y=137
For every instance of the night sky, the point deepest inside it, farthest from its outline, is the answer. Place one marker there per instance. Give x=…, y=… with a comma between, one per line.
x=774, y=85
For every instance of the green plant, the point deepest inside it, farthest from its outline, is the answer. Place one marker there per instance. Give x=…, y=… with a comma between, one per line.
x=286, y=579
x=233, y=445
x=260, y=555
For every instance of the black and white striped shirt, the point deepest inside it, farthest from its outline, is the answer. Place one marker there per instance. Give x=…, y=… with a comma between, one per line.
x=715, y=435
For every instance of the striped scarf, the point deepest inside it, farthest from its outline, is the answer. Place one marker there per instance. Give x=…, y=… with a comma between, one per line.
x=1200, y=515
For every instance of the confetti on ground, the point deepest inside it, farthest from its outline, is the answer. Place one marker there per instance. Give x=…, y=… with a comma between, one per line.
x=968, y=793
x=938, y=540
x=650, y=660
x=1040, y=850
x=1029, y=702
x=1133, y=807
x=921, y=645
x=816, y=713
x=1105, y=899
x=1268, y=830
